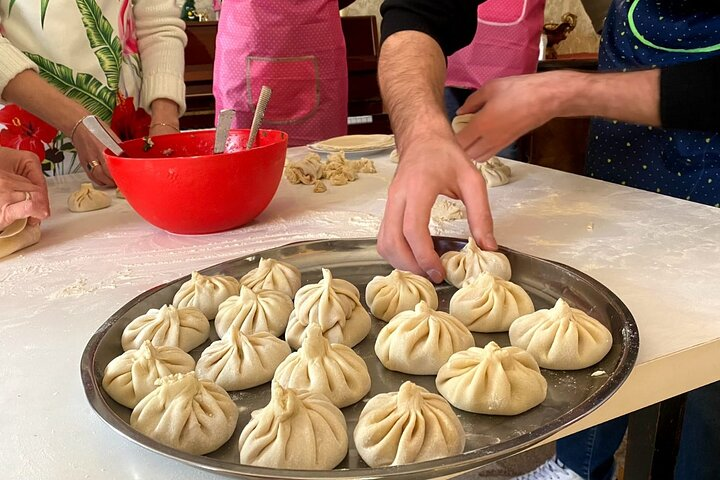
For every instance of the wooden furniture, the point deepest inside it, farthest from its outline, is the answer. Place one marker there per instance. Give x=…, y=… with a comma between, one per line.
x=364, y=104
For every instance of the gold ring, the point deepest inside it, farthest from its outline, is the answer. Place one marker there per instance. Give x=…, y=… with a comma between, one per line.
x=93, y=164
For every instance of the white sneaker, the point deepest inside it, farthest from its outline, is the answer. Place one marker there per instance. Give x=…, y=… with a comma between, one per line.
x=553, y=469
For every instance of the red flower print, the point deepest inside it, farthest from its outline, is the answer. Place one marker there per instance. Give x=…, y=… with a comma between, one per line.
x=127, y=122
x=24, y=131
x=126, y=29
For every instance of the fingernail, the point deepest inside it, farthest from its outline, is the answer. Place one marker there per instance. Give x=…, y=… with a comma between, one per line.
x=435, y=276
x=490, y=242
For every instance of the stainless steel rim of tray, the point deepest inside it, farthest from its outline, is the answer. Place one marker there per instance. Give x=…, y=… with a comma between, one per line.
x=571, y=394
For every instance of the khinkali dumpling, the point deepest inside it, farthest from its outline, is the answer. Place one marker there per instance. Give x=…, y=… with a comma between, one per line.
x=183, y=412
x=297, y=430
x=334, y=370
x=206, y=292
x=250, y=312
x=471, y=261
x=459, y=122
x=420, y=341
x=492, y=380
x=490, y=304
x=17, y=236
x=131, y=376
x=185, y=328
x=333, y=304
x=408, y=426
x=494, y=171
x=272, y=274
x=87, y=199
x=562, y=337
x=238, y=361
x=399, y=291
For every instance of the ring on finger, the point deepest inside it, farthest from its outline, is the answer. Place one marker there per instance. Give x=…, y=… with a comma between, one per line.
x=93, y=164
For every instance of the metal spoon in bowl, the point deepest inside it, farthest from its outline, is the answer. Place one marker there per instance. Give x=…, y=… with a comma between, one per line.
x=96, y=127
x=225, y=120
x=263, y=100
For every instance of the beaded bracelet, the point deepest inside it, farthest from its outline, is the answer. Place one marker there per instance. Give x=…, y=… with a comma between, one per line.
x=163, y=124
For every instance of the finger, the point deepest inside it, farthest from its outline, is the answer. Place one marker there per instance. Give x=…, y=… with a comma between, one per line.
x=29, y=167
x=474, y=102
x=99, y=175
x=391, y=243
x=417, y=234
x=11, y=182
x=477, y=204
x=10, y=213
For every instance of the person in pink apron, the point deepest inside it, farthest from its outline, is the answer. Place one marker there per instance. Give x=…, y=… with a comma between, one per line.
x=506, y=43
x=297, y=49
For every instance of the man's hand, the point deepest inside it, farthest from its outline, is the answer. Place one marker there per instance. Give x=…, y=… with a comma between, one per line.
x=427, y=169
x=23, y=191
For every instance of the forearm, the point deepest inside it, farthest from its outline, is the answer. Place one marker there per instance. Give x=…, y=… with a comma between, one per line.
x=161, y=44
x=411, y=73
x=12, y=63
x=29, y=91
x=632, y=97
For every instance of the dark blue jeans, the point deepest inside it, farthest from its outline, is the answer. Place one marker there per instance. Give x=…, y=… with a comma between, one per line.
x=454, y=98
x=590, y=453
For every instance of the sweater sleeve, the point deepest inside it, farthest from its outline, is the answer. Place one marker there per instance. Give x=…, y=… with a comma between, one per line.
x=689, y=95
x=12, y=62
x=452, y=23
x=161, y=42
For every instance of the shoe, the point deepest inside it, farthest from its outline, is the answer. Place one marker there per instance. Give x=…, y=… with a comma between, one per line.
x=553, y=469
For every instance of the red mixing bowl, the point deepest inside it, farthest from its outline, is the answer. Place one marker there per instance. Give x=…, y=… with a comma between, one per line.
x=177, y=183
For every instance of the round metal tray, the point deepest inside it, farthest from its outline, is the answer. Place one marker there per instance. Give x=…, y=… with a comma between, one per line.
x=571, y=394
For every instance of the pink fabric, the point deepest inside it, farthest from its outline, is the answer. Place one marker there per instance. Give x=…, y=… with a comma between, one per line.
x=506, y=43
x=296, y=48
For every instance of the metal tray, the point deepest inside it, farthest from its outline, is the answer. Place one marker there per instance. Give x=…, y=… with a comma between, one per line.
x=571, y=394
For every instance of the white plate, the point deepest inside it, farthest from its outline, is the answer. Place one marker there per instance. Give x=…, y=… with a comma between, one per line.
x=354, y=153
x=355, y=145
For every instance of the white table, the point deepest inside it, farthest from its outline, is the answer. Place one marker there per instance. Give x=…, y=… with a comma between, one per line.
x=658, y=254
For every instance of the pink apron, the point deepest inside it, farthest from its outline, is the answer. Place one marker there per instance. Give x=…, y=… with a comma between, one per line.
x=296, y=48
x=506, y=43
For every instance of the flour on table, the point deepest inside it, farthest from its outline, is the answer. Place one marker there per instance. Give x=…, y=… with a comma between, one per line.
x=446, y=209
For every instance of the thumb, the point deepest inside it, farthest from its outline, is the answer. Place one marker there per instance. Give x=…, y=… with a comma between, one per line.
x=16, y=211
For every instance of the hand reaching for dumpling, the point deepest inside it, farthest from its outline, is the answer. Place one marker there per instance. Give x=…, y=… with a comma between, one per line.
x=23, y=191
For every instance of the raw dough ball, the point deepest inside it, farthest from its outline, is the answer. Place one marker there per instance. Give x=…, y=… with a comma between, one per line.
x=334, y=370
x=490, y=304
x=183, y=412
x=185, y=328
x=18, y=235
x=471, y=261
x=206, y=292
x=306, y=171
x=420, y=341
x=131, y=376
x=397, y=292
x=332, y=303
x=460, y=122
x=272, y=274
x=87, y=199
x=408, y=426
x=250, y=312
x=297, y=430
x=494, y=171
x=492, y=380
x=561, y=338
x=239, y=361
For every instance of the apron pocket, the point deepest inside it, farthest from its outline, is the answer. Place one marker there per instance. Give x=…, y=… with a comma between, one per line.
x=295, y=87
x=500, y=13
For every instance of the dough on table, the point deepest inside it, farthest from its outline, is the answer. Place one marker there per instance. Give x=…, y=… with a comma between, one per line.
x=394, y=156
x=492, y=380
x=332, y=303
x=387, y=296
x=307, y=170
x=185, y=328
x=87, y=199
x=250, y=312
x=334, y=370
x=131, y=376
x=297, y=430
x=408, y=426
x=471, y=261
x=271, y=274
x=490, y=304
x=562, y=337
x=18, y=235
x=206, y=292
x=238, y=361
x=446, y=209
x=420, y=341
x=351, y=143
x=183, y=412
x=494, y=171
